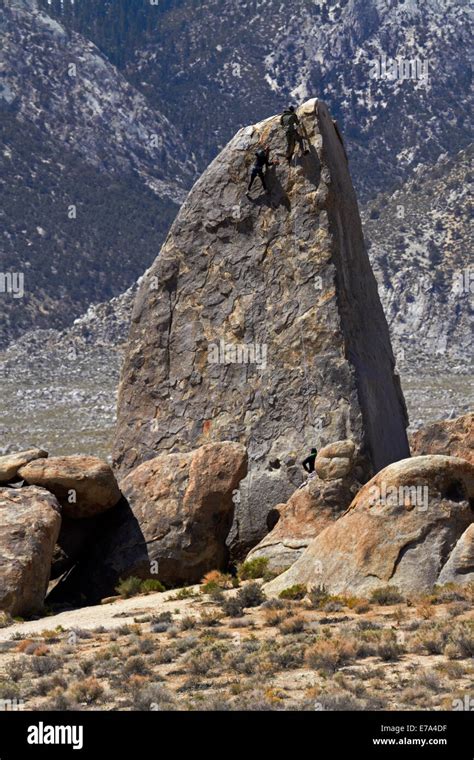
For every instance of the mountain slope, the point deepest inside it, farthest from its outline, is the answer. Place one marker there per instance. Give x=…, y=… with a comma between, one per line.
x=419, y=241
x=91, y=175
x=235, y=62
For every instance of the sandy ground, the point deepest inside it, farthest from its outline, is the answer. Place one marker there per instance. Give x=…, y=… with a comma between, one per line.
x=111, y=615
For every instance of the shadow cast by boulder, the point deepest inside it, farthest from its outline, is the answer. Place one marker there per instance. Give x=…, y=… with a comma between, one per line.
x=90, y=578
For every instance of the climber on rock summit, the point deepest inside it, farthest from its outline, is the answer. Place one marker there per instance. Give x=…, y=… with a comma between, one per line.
x=291, y=124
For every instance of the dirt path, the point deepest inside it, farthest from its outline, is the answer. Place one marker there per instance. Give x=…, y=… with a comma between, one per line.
x=110, y=615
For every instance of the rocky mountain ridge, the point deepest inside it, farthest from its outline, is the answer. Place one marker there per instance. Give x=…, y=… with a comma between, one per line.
x=388, y=70
x=92, y=176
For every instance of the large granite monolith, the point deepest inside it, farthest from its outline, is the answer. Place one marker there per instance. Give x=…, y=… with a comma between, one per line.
x=260, y=322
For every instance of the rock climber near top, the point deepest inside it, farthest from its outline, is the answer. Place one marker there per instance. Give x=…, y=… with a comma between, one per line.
x=262, y=161
x=308, y=463
x=291, y=124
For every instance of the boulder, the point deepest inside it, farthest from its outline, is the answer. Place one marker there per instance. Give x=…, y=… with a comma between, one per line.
x=401, y=529
x=171, y=524
x=260, y=322
x=250, y=525
x=84, y=486
x=11, y=463
x=309, y=510
x=460, y=566
x=450, y=437
x=337, y=460
x=30, y=520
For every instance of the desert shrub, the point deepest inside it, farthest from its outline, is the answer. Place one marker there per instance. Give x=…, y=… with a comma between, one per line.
x=129, y=587
x=333, y=605
x=44, y=686
x=298, y=591
x=187, y=592
x=430, y=680
x=432, y=641
x=240, y=622
x=287, y=656
x=399, y=614
x=452, y=669
x=146, y=645
x=458, y=608
x=160, y=627
x=232, y=608
x=253, y=569
x=16, y=669
x=216, y=594
x=274, y=604
x=210, y=618
x=123, y=630
x=256, y=701
x=292, y=625
x=274, y=617
x=151, y=585
x=216, y=577
x=351, y=601
x=187, y=623
x=135, y=666
x=388, y=649
x=44, y=666
x=199, y=664
x=81, y=633
x=242, y=662
x=161, y=623
x=362, y=608
x=9, y=689
x=461, y=641
x=340, y=701
x=424, y=609
x=89, y=690
x=328, y=655
x=163, y=617
x=251, y=595
x=87, y=666
x=386, y=595
x=154, y=696
x=60, y=701
x=50, y=636
x=212, y=589
x=164, y=656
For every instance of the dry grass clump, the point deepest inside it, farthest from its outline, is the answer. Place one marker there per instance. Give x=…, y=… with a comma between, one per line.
x=327, y=655
x=87, y=691
x=293, y=624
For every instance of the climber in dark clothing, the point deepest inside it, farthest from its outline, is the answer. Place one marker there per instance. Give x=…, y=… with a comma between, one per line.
x=308, y=463
x=262, y=161
x=290, y=123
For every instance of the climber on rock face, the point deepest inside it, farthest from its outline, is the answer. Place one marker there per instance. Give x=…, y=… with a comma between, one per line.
x=290, y=122
x=262, y=161
x=308, y=463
